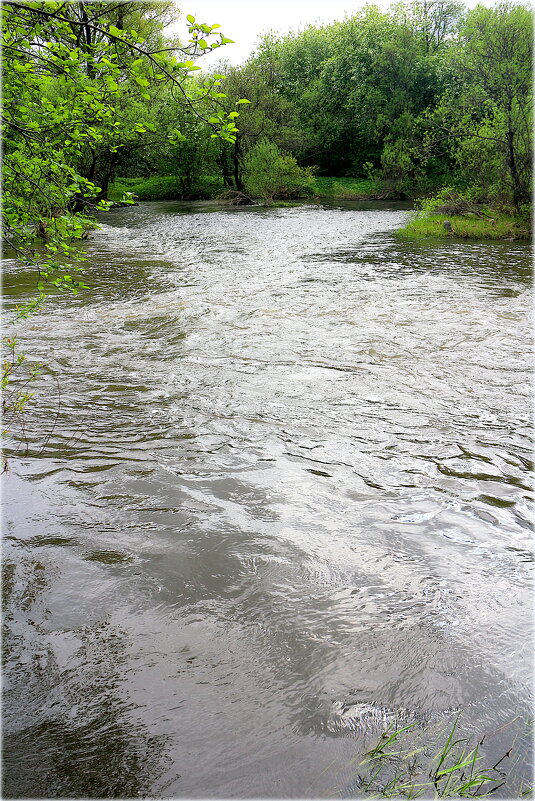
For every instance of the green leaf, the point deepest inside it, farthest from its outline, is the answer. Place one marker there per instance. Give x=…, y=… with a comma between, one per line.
x=190, y=18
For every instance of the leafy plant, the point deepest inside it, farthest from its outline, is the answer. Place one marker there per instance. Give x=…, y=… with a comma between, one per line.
x=270, y=174
x=403, y=764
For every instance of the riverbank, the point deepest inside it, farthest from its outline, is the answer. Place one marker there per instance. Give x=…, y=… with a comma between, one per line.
x=431, y=224
x=345, y=188
x=499, y=226
x=169, y=187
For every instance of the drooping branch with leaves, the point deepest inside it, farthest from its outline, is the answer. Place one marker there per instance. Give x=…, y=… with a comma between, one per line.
x=70, y=74
x=79, y=81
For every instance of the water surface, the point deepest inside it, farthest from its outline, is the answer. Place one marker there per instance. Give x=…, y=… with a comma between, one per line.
x=276, y=495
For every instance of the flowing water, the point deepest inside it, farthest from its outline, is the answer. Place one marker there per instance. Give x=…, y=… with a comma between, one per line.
x=275, y=496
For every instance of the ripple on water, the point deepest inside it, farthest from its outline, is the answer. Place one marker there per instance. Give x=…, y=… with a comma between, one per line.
x=283, y=492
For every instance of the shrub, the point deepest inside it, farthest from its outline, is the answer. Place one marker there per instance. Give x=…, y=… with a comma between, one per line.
x=270, y=174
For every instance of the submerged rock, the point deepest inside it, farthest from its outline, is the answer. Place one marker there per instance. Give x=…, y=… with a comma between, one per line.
x=365, y=717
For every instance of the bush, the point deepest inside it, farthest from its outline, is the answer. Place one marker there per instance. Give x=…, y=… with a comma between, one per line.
x=270, y=174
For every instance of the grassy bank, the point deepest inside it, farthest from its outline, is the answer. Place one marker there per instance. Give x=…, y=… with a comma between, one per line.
x=466, y=227
x=344, y=188
x=166, y=187
x=169, y=187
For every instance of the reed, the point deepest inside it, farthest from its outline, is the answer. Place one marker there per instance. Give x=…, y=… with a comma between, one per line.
x=408, y=762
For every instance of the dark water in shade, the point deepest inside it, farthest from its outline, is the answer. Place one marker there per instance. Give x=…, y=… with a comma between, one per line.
x=285, y=502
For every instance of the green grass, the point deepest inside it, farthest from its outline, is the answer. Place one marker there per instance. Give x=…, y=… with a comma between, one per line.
x=344, y=188
x=467, y=227
x=165, y=187
x=415, y=761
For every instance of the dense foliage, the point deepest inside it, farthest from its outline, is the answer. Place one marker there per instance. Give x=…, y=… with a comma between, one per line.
x=83, y=87
x=426, y=95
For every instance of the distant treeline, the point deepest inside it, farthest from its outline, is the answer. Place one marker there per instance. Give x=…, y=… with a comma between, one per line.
x=426, y=95
x=397, y=103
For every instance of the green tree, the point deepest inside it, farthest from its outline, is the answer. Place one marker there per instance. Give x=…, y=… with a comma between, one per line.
x=352, y=81
x=486, y=113
x=436, y=21
x=72, y=85
x=269, y=115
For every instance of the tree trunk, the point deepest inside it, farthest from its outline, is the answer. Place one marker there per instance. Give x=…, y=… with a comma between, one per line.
x=224, y=166
x=105, y=174
x=87, y=45
x=518, y=194
x=237, y=171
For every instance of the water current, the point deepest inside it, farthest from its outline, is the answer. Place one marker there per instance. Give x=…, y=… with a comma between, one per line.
x=275, y=495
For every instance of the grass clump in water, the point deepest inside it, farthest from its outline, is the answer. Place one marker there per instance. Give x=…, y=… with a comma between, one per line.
x=405, y=763
x=497, y=227
x=451, y=214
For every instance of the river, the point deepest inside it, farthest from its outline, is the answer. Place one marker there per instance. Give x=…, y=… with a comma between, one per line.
x=276, y=496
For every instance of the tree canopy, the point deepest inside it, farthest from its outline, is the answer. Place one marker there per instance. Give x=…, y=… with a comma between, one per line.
x=424, y=95
x=80, y=80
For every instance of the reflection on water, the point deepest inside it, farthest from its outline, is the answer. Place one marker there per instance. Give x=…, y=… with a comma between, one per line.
x=67, y=730
x=286, y=501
